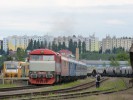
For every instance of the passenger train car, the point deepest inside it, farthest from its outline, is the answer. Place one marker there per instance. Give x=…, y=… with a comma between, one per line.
x=49, y=67
x=15, y=69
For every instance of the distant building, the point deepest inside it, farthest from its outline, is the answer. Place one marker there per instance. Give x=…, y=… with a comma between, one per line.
x=67, y=39
x=110, y=43
x=92, y=43
x=13, y=42
x=1, y=43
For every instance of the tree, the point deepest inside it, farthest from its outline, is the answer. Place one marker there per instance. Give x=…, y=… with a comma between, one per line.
x=35, y=45
x=30, y=45
x=114, y=63
x=20, y=54
x=83, y=47
x=100, y=50
x=54, y=46
x=79, y=46
x=122, y=56
x=45, y=44
x=74, y=47
x=49, y=45
x=114, y=50
x=38, y=44
x=41, y=46
x=120, y=50
x=70, y=45
x=108, y=51
x=59, y=46
x=63, y=45
x=9, y=58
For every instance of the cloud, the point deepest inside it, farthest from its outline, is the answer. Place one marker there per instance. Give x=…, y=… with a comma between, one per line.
x=115, y=22
x=60, y=3
x=64, y=16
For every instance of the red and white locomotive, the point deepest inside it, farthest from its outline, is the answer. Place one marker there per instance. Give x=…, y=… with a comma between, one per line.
x=49, y=67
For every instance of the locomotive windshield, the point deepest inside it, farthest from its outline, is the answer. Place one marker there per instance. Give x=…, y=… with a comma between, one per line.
x=11, y=66
x=42, y=57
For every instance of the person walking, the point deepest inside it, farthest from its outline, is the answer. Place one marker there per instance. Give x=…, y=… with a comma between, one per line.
x=98, y=78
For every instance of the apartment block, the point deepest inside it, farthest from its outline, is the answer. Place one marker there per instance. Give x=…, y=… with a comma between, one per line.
x=1, y=43
x=13, y=42
x=110, y=43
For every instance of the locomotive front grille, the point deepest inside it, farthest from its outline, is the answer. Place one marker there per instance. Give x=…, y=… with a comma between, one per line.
x=40, y=75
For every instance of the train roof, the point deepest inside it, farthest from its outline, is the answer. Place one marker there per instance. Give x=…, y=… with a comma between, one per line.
x=11, y=61
x=14, y=62
x=42, y=52
x=101, y=62
x=73, y=60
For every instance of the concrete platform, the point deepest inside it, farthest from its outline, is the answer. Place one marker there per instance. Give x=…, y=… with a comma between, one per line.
x=14, y=78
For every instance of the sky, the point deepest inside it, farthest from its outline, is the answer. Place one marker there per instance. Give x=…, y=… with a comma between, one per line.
x=66, y=17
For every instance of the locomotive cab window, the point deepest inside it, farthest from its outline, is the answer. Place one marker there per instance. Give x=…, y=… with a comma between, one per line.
x=42, y=57
x=11, y=66
x=48, y=57
x=36, y=57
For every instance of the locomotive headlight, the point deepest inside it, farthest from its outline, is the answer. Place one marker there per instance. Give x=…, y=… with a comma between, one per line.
x=49, y=75
x=30, y=72
x=34, y=72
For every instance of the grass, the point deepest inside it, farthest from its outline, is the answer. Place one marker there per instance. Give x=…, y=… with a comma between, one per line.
x=116, y=84
x=71, y=84
x=7, y=85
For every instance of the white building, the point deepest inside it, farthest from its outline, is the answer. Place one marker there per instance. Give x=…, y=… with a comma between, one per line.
x=13, y=42
x=1, y=43
x=110, y=43
x=92, y=43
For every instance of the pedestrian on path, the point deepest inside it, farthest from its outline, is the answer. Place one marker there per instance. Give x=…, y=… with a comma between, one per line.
x=98, y=78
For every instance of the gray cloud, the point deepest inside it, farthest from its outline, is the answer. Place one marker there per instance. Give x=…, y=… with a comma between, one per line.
x=63, y=17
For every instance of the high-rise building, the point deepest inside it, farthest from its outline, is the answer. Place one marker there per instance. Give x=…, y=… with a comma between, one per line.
x=106, y=43
x=13, y=42
x=1, y=43
x=67, y=39
x=5, y=44
x=109, y=43
x=92, y=43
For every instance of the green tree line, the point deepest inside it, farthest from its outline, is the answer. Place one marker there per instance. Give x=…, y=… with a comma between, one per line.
x=72, y=46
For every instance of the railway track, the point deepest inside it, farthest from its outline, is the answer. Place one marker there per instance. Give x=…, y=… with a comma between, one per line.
x=20, y=88
x=60, y=91
x=73, y=95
